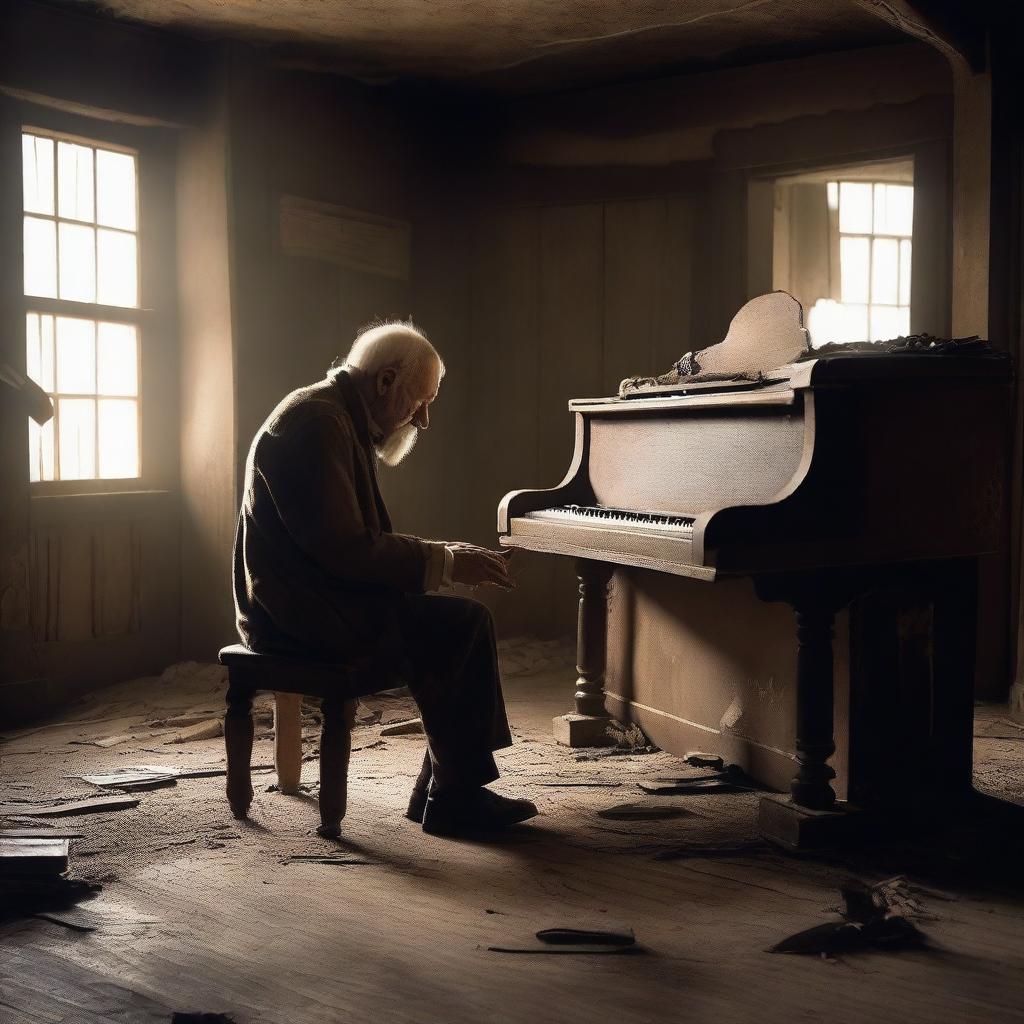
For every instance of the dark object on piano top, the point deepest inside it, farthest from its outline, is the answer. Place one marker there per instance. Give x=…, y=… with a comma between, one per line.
x=911, y=344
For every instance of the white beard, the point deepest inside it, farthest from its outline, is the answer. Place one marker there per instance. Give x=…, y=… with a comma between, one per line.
x=396, y=446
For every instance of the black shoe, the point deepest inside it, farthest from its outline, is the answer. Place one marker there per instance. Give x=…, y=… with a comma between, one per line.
x=464, y=811
x=417, y=804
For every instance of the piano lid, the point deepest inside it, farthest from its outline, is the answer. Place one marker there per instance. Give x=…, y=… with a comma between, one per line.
x=766, y=333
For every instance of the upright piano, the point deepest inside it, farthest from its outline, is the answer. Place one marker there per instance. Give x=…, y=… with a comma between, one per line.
x=863, y=480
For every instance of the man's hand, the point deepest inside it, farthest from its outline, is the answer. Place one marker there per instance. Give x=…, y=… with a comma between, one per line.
x=473, y=566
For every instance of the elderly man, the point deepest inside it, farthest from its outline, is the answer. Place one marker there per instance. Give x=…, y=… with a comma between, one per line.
x=320, y=572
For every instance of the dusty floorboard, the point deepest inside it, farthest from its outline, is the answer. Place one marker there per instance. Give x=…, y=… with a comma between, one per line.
x=200, y=913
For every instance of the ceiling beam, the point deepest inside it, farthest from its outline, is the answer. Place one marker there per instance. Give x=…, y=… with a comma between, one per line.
x=960, y=39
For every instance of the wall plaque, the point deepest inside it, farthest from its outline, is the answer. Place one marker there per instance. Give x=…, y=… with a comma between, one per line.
x=350, y=238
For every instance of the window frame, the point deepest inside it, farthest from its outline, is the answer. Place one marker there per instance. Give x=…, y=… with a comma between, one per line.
x=153, y=316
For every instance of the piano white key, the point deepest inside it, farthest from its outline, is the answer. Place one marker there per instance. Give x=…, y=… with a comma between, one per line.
x=599, y=515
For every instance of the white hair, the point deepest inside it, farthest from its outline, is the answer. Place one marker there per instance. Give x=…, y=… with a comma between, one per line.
x=393, y=344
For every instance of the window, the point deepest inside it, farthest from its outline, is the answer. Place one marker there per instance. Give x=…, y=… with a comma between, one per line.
x=842, y=243
x=81, y=264
x=875, y=224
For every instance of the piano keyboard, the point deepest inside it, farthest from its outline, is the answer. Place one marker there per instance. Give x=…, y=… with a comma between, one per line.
x=601, y=515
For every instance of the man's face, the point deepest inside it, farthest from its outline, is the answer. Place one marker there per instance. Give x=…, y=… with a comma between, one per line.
x=402, y=410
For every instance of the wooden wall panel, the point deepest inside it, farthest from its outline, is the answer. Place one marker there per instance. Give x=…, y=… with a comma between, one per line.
x=634, y=247
x=565, y=301
x=672, y=323
x=571, y=325
x=504, y=358
x=86, y=580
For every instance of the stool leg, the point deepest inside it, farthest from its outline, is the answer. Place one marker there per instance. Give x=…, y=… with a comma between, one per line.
x=238, y=730
x=288, y=741
x=335, y=750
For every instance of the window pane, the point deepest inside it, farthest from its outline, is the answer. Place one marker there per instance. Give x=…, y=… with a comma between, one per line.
x=74, y=181
x=855, y=207
x=885, y=263
x=894, y=209
x=40, y=451
x=118, y=275
x=889, y=322
x=115, y=189
x=77, y=262
x=40, y=257
x=853, y=269
x=37, y=173
x=905, y=248
x=119, y=438
x=118, y=373
x=76, y=358
x=77, y=438
x=39, y=349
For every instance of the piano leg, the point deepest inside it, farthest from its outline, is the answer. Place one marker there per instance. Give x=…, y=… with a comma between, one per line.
x=808, y=818
x=588, y=726
x=815, y=741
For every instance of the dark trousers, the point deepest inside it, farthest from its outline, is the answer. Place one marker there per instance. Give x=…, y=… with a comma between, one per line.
x=449, y=645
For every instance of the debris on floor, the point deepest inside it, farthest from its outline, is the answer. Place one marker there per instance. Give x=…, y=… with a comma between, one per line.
x=724, y=778
x=65, y=921
x=869, y=923
x=629, y=739
x=130, y=779
x=99, y=805
x=698, y=759
x=683, y=787
x=566, y=939
x=109, y=741
x=202, y=1018
x=411, y=727
x=323, y=858
x=648, y=811
x=208, y=729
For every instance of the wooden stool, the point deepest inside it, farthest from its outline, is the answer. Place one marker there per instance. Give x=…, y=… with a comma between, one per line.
x=289, y=679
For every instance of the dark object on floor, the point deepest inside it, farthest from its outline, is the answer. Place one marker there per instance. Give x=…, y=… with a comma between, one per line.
x=643, y=812
x=202, y=1018
x=588, y=936
x=890, y=933
x=869, y=924
x=464, y=812
x=566, y=940
x=699, y=759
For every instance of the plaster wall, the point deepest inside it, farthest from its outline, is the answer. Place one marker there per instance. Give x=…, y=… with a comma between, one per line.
x=208, y=402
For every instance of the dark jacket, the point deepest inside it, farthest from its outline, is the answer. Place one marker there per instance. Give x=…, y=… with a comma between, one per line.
x=317, y=568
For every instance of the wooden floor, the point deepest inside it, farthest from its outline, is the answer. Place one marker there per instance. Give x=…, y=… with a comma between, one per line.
x=199, y=913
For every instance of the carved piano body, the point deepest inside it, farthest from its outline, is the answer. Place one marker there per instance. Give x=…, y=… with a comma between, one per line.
x=868, y=481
